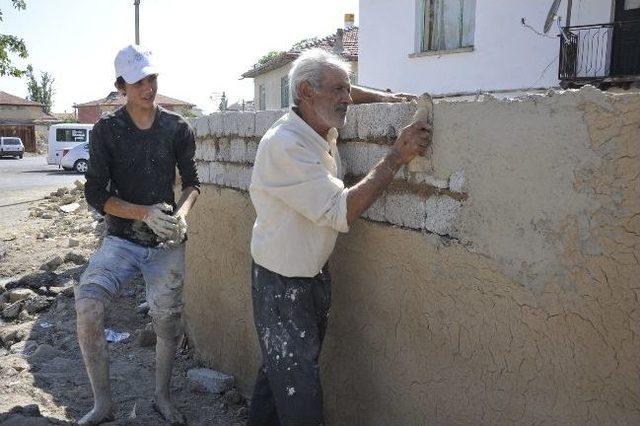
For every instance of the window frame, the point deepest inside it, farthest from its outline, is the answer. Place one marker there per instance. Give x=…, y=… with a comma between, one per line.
x=284, y=91
x=421, y=48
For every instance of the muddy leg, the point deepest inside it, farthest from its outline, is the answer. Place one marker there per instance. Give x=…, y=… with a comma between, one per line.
x=90, y=321
x=166, y=346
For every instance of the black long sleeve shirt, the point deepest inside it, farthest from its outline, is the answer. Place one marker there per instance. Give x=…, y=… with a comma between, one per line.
x=138, y=166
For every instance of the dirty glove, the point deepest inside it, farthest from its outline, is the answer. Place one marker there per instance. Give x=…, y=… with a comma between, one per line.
x=162, y=224
x=179, y=232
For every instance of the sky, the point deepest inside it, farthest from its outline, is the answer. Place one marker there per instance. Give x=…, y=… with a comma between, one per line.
x=201, y=46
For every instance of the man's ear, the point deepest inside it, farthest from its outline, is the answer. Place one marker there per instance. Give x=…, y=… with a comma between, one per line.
x=306, y=91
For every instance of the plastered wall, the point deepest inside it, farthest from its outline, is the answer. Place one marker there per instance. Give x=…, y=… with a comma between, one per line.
x=501, y=287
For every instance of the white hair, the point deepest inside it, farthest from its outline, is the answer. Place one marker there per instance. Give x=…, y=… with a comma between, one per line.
x=309, y=66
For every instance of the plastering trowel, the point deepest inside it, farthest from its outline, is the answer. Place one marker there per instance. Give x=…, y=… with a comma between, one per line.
x=424, y=111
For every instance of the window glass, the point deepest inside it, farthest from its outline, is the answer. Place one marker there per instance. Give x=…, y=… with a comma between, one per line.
x=447, y=24
x=262, y=101
x=11, y=141
x=71, y=135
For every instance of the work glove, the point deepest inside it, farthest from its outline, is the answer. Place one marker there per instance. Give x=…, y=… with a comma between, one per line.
x=179, y=232
x=161, y=222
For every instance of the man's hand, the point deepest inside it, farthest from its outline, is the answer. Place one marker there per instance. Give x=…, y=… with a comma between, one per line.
x=159, y=219
x=179, y=233
x=413, y=140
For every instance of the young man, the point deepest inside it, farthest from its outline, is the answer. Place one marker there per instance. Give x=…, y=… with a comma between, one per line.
x=134, y=154
x=301, y=205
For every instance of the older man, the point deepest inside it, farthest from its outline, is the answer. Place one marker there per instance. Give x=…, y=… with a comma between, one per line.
x=301, y=205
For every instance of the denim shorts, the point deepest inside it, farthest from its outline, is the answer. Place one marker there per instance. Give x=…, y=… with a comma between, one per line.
x=118, y=260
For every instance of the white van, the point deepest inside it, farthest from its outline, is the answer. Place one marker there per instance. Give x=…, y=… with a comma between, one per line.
x=63, y=137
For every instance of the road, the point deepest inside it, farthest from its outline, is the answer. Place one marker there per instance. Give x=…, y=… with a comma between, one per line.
x=29, y=179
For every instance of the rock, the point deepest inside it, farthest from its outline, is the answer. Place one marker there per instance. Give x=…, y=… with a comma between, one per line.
x=38, y=304
x=12, y=310
x=31, y=410
x=8, y=337
x=46, y=216
x=233, y=397
x=26, y=347
x=35, y=280
x=242, y=412
x=143, y=308
x=9, y=238
x=146, y=338
x=52, y=264
x=75, y=257
x=79, y=185
x=71, y=207
x=44, y=353
x=213, y=381
x=65, y=288
x=18, y=294
x=73, y=243
x=24, y=316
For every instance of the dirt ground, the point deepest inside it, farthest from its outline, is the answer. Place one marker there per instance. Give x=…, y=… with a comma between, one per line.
x=42, y=376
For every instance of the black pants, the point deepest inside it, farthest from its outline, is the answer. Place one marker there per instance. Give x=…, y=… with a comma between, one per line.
x=290, y=316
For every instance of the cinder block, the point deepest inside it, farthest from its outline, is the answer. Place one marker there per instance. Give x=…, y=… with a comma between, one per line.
x=350, y=130
x=223, y=152
x=441, y=213
x=216, y=173
x=354, y=157
x=265, y=119
x=246, y=123
x=203, y=171
x=245, y=177
x=238, y=150
x=206, y=150
x=405, y=209
x=375, y=153
x=201, y=127
x=377, y=211
x=382, y=120
x=216, y=121
x=250, y=153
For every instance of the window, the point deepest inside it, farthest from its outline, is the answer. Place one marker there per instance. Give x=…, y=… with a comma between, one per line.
x=262, y=98
x=284, y=92
x=446, y=24
x=71, y=135
x=11, y=141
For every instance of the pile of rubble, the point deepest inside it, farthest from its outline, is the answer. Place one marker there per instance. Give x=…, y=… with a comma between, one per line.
x=66, y=208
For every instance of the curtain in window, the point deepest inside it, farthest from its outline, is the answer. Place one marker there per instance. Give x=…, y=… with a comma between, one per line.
x=448, y=24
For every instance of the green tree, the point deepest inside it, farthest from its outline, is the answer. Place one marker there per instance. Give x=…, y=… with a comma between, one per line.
x=266, y=58
x=40, y=91
x=12, y=44
x=223, y=102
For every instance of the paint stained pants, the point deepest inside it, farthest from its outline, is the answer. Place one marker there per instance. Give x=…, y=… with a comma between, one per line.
x=290, y=316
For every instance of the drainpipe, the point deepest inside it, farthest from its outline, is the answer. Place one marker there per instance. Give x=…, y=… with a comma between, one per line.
x=568, y=20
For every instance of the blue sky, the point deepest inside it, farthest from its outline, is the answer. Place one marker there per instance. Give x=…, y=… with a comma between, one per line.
x=202, y=46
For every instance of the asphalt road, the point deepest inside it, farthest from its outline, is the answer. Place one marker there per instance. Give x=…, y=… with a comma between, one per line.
x=26, y=180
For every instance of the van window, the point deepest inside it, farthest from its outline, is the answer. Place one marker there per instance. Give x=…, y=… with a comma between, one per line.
x=11, y=141
x=71, y=135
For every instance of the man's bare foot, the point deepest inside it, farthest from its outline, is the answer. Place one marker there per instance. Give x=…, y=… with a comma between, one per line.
x=166, y=409
x=97, y=415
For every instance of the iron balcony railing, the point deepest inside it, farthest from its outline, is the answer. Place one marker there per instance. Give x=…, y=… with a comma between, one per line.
x=600, y=51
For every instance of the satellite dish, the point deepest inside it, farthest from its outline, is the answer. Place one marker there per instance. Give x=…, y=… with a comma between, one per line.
x=551, y=16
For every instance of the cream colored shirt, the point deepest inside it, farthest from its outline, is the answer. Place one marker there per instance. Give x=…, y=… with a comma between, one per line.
x=299, y=197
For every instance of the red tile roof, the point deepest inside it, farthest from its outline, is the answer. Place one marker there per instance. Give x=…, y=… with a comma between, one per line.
x=8, y=99
x=117, y=99
x=349, y=52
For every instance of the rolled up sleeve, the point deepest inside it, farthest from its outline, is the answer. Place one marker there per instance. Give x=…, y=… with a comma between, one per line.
x=295, y=176
x=98, y=175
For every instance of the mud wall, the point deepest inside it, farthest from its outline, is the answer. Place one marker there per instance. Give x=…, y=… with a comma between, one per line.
x=500, y=287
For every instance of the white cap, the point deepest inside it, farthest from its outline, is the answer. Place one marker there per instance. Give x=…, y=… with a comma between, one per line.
x=133, y=63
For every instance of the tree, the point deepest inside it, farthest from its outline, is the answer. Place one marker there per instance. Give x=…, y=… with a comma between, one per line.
x=40, y=92
x=12, y=44
x=223, y=102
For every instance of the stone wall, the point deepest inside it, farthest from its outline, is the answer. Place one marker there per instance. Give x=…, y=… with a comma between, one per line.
x=501, y=287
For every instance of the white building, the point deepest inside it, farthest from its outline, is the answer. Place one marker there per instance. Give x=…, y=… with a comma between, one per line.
x=270, y=76
x=454, y=46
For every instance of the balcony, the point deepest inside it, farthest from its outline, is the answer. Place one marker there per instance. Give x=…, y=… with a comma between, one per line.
x=600, y=54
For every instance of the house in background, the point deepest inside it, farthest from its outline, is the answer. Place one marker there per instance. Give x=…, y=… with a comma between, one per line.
x=462, y=46
x=90, y=112
x=24, y=119
x=270, y=77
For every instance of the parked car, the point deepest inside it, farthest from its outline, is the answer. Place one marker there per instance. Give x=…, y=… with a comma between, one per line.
x=76, y=158
x=64, y=137
x=11, y=146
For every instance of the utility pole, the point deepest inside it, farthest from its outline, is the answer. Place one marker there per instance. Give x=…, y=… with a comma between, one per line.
x=136, y=3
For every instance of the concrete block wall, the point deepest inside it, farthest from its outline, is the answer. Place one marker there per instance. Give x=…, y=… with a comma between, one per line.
x=501, y=288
